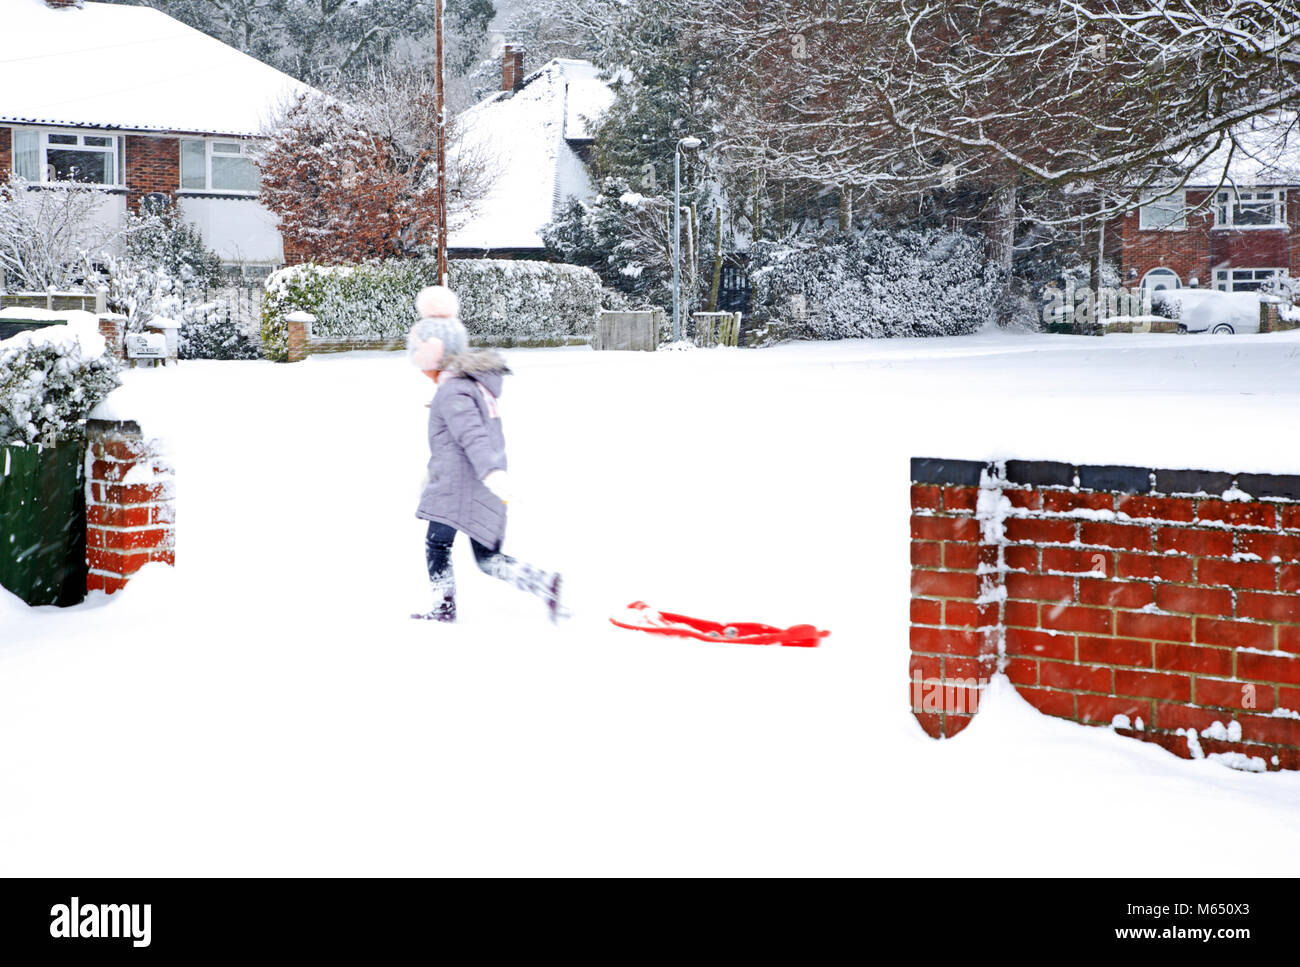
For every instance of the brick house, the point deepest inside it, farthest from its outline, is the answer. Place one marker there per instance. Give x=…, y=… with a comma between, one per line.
x=140, y=105
x=1229, y=227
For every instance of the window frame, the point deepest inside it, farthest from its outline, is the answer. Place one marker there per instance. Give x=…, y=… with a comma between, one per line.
x=1229, y=199
x=116, y=148
x=208, y=143
x=1223, y=278
x=1160, y=272
x=1179, y=226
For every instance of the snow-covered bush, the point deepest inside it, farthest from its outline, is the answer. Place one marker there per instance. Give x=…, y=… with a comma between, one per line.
x=874, y=283
x=51, y=378
x=210, y=330
x=503, y=302
x=46, y=233
x=165, y=271
x=163, y=268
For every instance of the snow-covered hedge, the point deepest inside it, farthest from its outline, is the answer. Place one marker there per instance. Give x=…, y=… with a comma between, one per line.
x=50, y=380
x=503, y=302
x=874, y=283
x=212, y=330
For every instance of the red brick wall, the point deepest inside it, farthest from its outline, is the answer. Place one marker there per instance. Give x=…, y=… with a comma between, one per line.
x=6, y=153
x=1187, y=252
x=1199, y=249
x=130, y=513
x=1100, y=593
x=152, y=164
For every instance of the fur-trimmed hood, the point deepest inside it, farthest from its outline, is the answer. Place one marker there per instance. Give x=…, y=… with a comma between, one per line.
x=485, y=366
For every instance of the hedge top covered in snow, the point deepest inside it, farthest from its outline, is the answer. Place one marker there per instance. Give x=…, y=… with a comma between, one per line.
x=51, y=378
x=80, y=330
x=130, y=67
x=525, y=138
x=503, y=302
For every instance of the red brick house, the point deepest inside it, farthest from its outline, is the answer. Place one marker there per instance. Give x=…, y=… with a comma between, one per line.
x=1231, y=226
x=128, y=100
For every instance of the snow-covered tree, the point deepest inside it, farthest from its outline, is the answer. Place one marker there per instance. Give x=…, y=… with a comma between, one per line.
x=911, y=95
x=46, y=234
x=343, y=192
x=322, y=42
x=357, y=180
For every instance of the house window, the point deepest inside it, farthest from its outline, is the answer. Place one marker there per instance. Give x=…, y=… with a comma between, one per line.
x=224, y=166
x=1167, y=214
x=1251, y=209
x=1245, y=280
x=60, y=157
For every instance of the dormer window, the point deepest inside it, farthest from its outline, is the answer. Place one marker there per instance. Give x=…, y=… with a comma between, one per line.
x=68, y=157
x=1251, y=209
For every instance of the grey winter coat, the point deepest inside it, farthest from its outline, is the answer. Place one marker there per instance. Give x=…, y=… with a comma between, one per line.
x=466, y=443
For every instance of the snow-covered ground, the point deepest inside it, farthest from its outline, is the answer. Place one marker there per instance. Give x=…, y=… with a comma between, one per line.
x=268, y=707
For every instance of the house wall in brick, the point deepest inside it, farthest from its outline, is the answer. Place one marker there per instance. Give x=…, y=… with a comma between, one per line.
x=1200, y=248
x=153, y=164
x=6, y=153
x=130, y=505
x=1112, y=591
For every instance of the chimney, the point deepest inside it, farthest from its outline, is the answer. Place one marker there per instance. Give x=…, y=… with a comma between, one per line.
x=512, y=68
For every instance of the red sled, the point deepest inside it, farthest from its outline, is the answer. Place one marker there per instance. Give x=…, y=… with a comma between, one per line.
x=641, y=617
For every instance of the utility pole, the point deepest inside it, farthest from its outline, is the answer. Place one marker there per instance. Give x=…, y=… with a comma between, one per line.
x=442, y=153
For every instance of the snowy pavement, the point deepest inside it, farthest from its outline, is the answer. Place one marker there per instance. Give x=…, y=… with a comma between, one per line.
x=267, y=707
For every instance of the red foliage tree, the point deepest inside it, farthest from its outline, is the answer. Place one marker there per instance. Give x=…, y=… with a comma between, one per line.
x=342, y=192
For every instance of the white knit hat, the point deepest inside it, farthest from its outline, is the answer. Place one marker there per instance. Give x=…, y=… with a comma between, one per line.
x=432, y=340
x=439, y=332
x=437, y=302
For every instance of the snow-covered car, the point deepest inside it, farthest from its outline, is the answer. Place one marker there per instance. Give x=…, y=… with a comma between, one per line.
x=1209, y=310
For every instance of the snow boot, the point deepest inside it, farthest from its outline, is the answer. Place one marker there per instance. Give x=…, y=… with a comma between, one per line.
x=543, y=584
x=552, y=599
x=444, y=602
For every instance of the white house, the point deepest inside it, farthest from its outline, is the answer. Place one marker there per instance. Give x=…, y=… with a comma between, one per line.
x=135, y=103
x=535, y=136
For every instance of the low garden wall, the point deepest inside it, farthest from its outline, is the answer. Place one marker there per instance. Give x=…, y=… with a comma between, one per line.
x=1162, y=603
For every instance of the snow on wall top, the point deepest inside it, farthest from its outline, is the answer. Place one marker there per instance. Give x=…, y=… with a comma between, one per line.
x=1266, y=152
x=525, y=138
x=132, y=68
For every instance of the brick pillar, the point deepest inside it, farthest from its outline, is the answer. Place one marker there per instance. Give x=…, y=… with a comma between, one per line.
x=955, y=613
x=6, y=154
x=113, y=329
x=299, y=326
x=1270, y=318
x=130, y=505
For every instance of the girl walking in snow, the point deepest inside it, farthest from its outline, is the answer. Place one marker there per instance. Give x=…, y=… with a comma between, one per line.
x=467, y=488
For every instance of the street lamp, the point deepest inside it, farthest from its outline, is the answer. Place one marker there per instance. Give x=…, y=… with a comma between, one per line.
x=690, y=144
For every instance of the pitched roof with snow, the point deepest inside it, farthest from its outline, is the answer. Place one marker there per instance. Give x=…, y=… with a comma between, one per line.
x=527, y=138
x=1260, y=152
x=130, y=68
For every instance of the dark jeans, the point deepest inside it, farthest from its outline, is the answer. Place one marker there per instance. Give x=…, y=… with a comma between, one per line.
x=437, y=553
